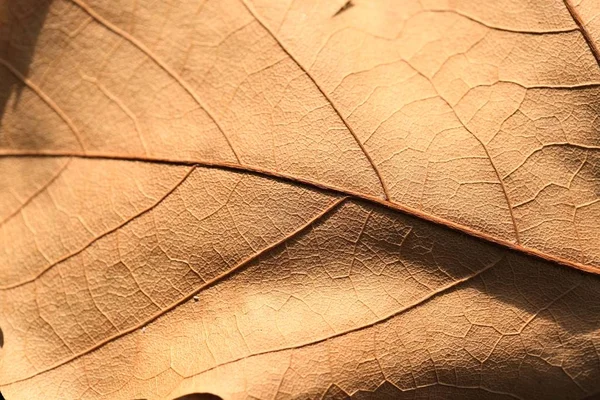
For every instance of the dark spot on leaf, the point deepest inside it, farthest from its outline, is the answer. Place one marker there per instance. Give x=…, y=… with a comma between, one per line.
x=347, y=5
x=1, y=338
x=199, y=396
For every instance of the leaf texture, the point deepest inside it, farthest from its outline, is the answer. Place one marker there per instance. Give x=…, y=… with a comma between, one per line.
x=299, y=199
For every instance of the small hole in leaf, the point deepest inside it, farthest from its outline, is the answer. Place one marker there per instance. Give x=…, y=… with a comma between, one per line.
x=199, y=396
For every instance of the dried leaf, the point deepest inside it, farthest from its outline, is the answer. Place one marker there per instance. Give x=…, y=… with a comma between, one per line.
x=299, y=199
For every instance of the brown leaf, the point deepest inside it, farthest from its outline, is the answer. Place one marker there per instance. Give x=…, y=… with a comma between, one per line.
x=300, y=199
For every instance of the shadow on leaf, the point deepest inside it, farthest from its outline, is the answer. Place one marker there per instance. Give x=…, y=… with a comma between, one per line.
x=199, y=396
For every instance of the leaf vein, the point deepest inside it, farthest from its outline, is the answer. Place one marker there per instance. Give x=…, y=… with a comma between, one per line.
x=415, y=304
x=235, y=269
x=392, y=205
x=131, y=39
x=333, y=106
x=94, y=240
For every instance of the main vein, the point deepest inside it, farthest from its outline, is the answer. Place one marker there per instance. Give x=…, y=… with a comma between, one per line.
x=327, y=187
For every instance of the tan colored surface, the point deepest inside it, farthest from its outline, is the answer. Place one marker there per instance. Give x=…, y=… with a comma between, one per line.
x=254, y=199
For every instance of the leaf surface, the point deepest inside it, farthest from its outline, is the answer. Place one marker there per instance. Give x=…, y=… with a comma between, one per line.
x=278, y=199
